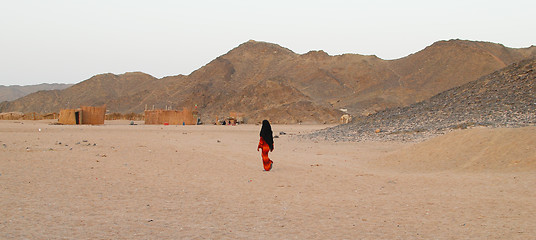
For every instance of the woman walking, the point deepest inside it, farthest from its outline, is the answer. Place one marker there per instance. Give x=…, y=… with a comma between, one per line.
x=266, y=143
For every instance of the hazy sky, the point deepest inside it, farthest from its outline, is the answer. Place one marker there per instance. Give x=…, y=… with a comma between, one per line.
x=68, y=41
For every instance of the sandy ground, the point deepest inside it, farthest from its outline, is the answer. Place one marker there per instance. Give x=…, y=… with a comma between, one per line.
x=206, y=182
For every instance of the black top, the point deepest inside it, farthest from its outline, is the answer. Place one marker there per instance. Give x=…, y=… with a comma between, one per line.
x=266, y=134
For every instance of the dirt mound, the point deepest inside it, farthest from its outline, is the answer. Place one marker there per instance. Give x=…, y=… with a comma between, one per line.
x=472, y=150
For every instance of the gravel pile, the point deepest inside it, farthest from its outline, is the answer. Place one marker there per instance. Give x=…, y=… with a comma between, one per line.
x=506, y=98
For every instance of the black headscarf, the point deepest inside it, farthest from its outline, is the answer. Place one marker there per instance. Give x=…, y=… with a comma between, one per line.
x=266, y=134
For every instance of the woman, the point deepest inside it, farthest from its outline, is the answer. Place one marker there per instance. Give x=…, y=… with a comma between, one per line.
x=266, y=143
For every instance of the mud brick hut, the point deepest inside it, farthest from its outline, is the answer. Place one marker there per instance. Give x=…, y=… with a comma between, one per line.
x=83, y=115
x=171, y=117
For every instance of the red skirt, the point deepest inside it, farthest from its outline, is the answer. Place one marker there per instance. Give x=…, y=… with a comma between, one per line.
x=265, y=159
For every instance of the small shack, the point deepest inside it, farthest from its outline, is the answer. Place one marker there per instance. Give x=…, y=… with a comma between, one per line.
x=83, y=115
x=171, y=117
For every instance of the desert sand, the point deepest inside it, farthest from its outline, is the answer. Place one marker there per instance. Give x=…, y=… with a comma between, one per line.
x=118, y=181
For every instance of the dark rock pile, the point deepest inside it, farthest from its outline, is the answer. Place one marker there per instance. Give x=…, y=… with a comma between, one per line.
x=506, y=98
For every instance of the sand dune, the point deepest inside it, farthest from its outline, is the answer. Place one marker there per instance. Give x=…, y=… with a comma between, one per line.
x=474, y=150
x=206, y=182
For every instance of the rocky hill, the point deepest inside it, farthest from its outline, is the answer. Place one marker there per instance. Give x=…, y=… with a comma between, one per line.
x=98, y=90
x=10, y=93
x=264, y=80
x=504, y=98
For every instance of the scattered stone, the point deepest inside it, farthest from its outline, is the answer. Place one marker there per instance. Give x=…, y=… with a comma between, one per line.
x=502, y=99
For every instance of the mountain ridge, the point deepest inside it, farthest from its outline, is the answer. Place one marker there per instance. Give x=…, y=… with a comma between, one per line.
x=12, y=92
x=363, y=84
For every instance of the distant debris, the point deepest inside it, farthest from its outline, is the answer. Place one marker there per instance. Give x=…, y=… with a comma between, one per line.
x=11, y=116
x=346, y=118
x=27, y=116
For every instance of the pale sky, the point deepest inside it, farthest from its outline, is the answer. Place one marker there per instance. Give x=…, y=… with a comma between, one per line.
x=69, y=41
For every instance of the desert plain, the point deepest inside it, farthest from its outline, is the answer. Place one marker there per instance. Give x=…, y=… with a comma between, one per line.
x=121, y=181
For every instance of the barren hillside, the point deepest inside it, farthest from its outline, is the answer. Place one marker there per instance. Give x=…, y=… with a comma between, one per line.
x=265, y=80
x=504, y=98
